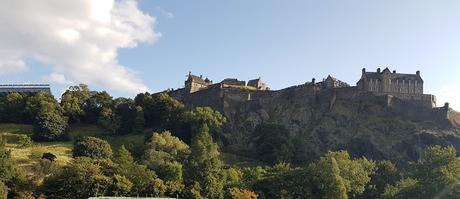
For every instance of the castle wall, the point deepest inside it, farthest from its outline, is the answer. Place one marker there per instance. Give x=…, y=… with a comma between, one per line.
x=454, y=117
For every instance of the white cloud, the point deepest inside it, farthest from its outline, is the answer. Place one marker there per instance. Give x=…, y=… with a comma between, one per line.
x=449, y=93
x=165, y=12
x=78, y=38
x=15, y=66
x=57, y=78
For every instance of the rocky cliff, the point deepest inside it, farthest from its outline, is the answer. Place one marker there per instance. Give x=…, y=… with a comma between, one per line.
x=378, y=127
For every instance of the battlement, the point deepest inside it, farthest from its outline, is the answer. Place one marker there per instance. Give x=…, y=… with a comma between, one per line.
x=397, y=90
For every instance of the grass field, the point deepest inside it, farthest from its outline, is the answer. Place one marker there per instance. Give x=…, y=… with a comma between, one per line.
x=27, y=156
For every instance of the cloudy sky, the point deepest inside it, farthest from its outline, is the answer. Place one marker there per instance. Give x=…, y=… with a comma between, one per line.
x=128, y=46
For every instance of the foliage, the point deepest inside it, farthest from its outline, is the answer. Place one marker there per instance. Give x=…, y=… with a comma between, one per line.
x=24, y=141
x=109, y=120
x=50, y=123
x=272, y=143
x=161, y=111
x=385, y=174
x=6, y=164
x=82, y=178
x=92, y=147
x=145, y=182
x=50, y=127
x=3, y=190
x=203, y=170
x=12, y=108
x=131, y=117
x=73, y=102
x=165, y=154
x=435, y=175
x=236, y=193
x=193, y=120
x=336, y=173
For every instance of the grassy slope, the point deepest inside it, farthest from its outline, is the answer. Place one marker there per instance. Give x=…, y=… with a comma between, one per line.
x=27, y=156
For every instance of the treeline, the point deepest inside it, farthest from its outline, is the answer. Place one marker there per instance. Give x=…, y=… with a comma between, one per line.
x=181, y=158
x=119, y=116
x=172, y=168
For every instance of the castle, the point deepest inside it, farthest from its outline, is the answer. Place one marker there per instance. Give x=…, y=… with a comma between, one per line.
x=408, y=87
x=403, y=92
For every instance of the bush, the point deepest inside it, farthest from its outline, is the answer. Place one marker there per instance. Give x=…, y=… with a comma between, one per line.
x=24, y=141
x=3, y=190
x=92, y=147
x=50, y=127
x=236, y=193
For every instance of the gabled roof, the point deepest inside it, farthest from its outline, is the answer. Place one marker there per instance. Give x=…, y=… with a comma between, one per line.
x=196, y=79
x=254, y=81
x=394, y=76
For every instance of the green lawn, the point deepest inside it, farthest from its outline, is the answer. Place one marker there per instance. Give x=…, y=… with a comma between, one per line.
x=27, y=156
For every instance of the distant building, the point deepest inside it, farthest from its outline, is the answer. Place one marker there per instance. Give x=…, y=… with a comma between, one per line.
x=6, y=89
x=233, y=82
x=195, y=83
x=258, y=84
x=332, y=82
x=391, y=82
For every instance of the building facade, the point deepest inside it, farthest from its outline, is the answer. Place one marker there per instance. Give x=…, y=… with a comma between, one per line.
x=391, y=82
x=6, y=89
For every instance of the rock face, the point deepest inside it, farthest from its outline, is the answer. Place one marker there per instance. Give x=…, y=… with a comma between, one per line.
x=378, y=127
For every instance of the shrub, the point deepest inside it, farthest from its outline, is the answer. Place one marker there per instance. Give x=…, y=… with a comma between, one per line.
x=236, y=193
x=3, y=190
x=24, y=141
x=50, y=127
x=92, y=147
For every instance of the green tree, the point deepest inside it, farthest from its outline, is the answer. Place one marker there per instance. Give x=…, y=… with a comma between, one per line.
x=92, y=147
x=82, y=178
x=73, y=102
x=96, y=103
x=145, y=181
x=435, y=175
x=354, y=174
x=331, y=183
x=12, y=108
x=403, y=189
x=193, y=120
x=49, y=122
x=6, y=164
x=109, y=120
x=203, y=168
x=385, y=174
x=131, y=117
x=272, y=143
x=50, y=126
x=165, y=154
x=161, y=111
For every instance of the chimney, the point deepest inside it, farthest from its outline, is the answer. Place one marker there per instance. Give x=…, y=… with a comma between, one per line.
x=364, y=70
x=313, y=80
x=394, y=71
x=446, y=105
x=201, y=76
x=378, y=70
x=418, y=73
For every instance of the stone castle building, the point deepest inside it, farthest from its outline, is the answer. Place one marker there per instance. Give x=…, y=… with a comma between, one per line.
x=5, y=89
x=402, y=92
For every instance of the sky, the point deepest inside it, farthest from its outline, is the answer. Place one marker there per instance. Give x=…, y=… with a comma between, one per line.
x=128, y=46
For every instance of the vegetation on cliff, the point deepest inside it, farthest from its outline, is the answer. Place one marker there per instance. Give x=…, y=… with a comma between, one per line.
x=288, y=147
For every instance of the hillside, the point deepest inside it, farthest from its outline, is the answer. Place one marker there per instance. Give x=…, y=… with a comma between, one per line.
x=365, y=126
x=26, y=156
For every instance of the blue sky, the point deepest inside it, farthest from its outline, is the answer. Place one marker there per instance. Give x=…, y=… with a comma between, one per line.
x=289, y=42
